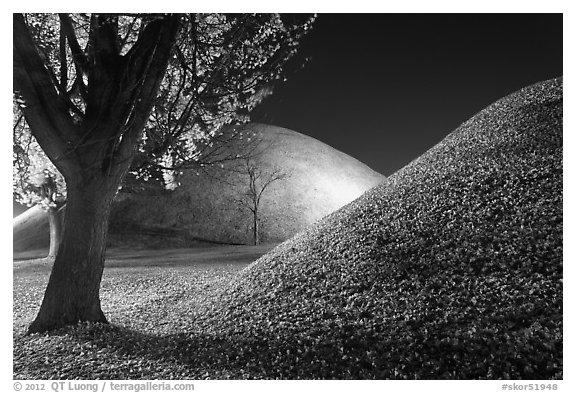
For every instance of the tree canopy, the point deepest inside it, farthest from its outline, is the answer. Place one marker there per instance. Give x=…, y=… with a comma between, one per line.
x=221, y=67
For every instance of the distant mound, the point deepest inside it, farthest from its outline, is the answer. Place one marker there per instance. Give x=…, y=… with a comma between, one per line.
x=318, y=180
x=452, y=268
x=18, y=209
x=30, y=229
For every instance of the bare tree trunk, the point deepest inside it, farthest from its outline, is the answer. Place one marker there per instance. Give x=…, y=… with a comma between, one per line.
x=55, y=231
x=256, y=229
x=73, y=292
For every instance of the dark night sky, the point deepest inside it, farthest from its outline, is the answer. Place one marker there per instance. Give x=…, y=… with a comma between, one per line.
x=384, y=88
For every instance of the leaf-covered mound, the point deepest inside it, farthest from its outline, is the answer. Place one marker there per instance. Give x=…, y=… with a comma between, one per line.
x=452, y=268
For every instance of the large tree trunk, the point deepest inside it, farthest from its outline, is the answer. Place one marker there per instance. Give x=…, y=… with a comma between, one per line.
x=94, y=154
x=73, y=292
x=55, y=225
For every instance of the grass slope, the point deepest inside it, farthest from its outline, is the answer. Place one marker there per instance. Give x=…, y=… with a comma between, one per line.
x=452, y=268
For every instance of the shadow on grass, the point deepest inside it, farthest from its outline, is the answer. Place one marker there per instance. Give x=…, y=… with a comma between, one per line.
x=116, y=352
x=205, y=356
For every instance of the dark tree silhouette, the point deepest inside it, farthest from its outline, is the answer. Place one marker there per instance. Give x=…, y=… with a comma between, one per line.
x=258, y=180
x=96, y=89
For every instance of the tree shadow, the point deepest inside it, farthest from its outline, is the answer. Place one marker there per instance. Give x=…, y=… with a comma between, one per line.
x=101, y=351
x=201, y=355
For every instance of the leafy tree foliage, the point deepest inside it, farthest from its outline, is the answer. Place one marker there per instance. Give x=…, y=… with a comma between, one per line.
x=35, y=180
x=222, y=69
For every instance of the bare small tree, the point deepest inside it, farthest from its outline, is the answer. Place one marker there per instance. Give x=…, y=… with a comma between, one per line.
x=258, y=181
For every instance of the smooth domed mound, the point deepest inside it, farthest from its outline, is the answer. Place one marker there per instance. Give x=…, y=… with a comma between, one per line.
x=452, y=268
x=18, y=209
x=318, y=180
x=30, y=229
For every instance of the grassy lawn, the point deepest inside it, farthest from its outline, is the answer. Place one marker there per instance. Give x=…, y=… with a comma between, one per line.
x=150, y=297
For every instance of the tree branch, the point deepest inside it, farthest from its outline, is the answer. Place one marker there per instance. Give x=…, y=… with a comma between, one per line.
x=104, y=65
x=78, y=57
x=44, y=111
x=63, y=61
x=164, y=31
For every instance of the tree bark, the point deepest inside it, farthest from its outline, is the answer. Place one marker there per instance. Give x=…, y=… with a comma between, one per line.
x=55, y=225
x=73, y=291
x=256, y=229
